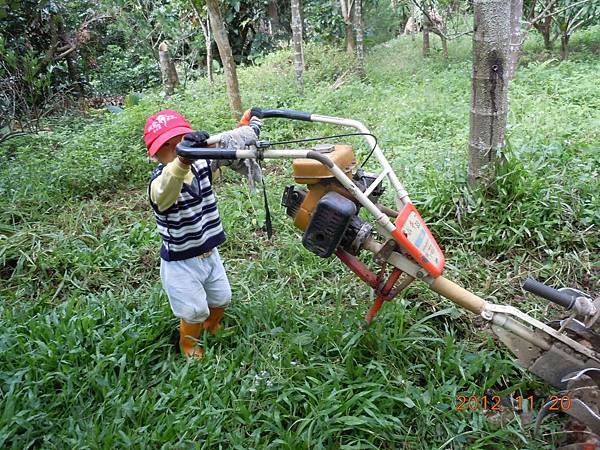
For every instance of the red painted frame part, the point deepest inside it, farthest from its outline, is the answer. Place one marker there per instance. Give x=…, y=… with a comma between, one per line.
x=434, y=268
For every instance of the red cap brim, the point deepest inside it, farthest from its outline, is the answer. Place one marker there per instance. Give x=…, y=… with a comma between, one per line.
x=159, y=142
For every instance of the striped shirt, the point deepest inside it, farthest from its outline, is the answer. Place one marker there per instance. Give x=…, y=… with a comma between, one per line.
x=190, y=226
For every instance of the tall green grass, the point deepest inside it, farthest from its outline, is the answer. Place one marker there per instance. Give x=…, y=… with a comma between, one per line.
x=87, y=355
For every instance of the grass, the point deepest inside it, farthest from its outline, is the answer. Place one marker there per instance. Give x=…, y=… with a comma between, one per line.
x=87, y=356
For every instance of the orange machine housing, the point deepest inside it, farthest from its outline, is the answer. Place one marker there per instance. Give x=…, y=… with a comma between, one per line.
x=320, y=180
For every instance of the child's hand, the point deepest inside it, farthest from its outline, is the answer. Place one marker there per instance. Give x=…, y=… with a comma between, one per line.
x=196, y=139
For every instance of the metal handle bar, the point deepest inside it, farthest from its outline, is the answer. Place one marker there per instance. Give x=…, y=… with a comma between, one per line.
x=283, y=114
x=549, y=293
x=273, y=114
x=402, y=197
x=205, y=152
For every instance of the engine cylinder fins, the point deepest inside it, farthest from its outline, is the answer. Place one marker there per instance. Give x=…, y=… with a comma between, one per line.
x=364, y=179
x=292, y=199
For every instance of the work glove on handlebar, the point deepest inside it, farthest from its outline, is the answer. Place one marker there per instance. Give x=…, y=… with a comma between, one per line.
x=249, y=114
x=252, y=118
x=196, y=139
x=256, y=124
x=238, y=139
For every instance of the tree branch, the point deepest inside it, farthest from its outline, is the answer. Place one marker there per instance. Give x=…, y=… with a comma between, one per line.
x=12, y=134
x=440, y=33
x=558, y=11
x=454, y=36
x=571, y=21
x=66, y=52
x=541, y=15
x=583, y=21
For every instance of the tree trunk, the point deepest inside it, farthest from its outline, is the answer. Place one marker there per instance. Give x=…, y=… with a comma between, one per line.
x=413, y=15
x=516, y=12
x=167, y=68
x=348, y=16
x=208, y=40
x=360, y=44
x=442, y=38
x=564, y=46
x=444, y=46
x=74, y=75
x=546, y=33
x=222, y=40
x=425, y=37
x=489, y=102
x=350, y=43
x=273, y=13
x=545, y=29
x=298, y=49
x=69, y=58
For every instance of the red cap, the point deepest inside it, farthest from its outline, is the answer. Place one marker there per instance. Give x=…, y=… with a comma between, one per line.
x=162, y=126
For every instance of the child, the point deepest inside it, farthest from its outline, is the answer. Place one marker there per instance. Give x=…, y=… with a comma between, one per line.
x=188, y=221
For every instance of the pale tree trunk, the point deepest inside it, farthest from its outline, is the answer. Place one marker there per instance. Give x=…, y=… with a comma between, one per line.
x=444, y=46
x=360, y=44
x=433, y=23
x=298, y=46
x=489, y=102
x=516, y=12
x=442, y=38
x=348, y=16
x=415, y=28
x=167, y=68
x=350, y=43
x=425, y=37
x=222, y=40
x=208, y=40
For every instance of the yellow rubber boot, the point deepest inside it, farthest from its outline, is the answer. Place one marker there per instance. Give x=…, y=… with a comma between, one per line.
x=212, y=324
x=188, y=339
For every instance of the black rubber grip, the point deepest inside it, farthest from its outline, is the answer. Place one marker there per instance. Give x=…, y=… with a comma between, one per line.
x=204, y=153
x=285, y=114
x=549, y=293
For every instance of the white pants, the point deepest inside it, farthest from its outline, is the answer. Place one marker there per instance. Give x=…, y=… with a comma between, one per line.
x=193, y=285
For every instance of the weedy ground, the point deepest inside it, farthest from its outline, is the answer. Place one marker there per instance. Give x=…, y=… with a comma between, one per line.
x=86, y=351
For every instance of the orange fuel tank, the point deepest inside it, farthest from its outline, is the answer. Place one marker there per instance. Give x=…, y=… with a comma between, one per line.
x=311, y=171
x=320, y=180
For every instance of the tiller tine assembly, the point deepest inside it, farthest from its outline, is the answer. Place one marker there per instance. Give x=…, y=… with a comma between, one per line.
x=560, y=347
x=581, y=401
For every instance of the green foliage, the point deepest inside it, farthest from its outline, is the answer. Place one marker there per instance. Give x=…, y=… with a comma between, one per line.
x=86, y=354
x=518, y=211
x=569, y=16
x=323, y=21
x=561, y=19
x=382, y=22
x=121, y=70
